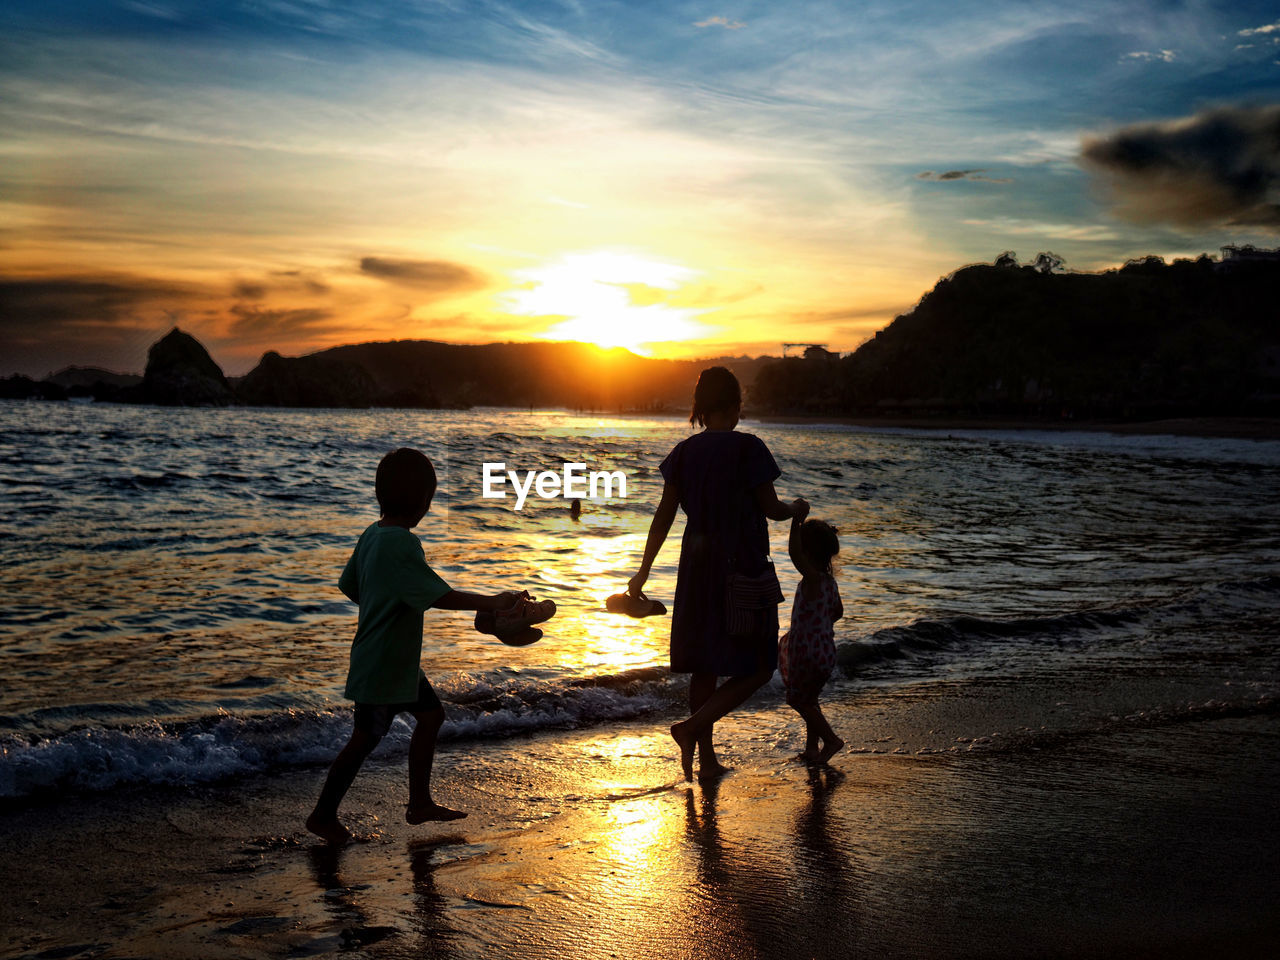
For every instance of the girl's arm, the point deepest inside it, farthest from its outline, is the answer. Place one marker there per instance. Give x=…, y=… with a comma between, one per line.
x=804, y=566
x=659, y=527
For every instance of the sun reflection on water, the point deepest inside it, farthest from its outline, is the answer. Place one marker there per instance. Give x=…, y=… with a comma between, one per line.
x=581, y=582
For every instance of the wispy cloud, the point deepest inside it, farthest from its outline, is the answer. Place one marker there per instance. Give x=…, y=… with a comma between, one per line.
x=1165, y=56
x=724, y=22
x=961, y=175
x=1261, y=31
x=1017, y=227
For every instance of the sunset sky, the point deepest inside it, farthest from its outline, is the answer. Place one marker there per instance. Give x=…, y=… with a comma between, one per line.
x=688, y=179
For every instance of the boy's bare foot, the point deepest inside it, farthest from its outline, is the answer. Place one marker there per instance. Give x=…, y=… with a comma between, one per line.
x=431, y=811
x=687, y=743
x=331, y=831
x=808, y=755
x=830, y=749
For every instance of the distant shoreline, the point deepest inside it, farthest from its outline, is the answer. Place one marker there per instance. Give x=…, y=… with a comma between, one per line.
x=1242, y=428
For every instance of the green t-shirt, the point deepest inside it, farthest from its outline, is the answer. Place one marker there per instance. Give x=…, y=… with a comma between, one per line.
x=389, y=577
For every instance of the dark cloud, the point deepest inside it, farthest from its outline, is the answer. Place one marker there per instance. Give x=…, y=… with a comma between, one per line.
x=960, y=175
x=32, y=301
x=281, y=281
x=255, y=325
x=304, y=281
x=850, y=313
x=249, y=291
x=1218, y=167
x=109, y=320
x=437, y=276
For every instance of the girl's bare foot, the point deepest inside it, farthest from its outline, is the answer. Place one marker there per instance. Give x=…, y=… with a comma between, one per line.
x=830, y=749
x=686, y=742
x=431, y=811
x=330, y=831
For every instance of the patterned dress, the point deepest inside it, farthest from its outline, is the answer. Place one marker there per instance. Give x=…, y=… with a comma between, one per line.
x=807, y=652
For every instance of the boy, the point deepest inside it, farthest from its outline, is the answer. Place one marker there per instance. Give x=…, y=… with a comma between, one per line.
x=388, y=577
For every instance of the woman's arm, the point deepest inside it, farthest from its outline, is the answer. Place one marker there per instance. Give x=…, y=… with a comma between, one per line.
x=772, y=507
x=659, y=527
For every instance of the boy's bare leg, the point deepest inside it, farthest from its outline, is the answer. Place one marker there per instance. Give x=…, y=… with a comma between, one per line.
x=323, y=821
x=422, y=752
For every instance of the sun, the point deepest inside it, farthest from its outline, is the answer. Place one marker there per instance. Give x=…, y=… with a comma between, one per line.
x=610, y=298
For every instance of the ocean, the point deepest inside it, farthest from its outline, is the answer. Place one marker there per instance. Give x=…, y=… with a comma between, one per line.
x=171, y=615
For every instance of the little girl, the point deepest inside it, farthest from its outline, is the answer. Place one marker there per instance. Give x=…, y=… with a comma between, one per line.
x=807, y=652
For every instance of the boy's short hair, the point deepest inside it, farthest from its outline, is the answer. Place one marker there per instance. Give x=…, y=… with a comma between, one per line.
x=820, y=542
x=718, y=389
x=405, y=476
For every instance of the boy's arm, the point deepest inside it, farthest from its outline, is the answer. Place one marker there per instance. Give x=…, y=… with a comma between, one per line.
x=349, y=582
x=422, y=588
x=459, y=600
x=417, y=585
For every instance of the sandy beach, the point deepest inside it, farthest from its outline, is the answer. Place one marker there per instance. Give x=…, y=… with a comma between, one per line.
x=947, y=828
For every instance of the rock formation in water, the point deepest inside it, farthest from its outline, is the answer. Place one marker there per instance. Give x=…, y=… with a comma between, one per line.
x=180, y=373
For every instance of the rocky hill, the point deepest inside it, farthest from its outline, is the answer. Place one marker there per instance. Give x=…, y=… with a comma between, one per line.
x=1192, y=338
x=426, y=373
x=404, y=373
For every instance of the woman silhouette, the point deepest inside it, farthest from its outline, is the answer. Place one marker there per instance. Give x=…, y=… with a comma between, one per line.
x=723, y=480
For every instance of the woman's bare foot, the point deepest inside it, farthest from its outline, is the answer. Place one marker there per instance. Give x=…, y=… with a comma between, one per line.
x=713, y=770
x=686, y=742
x=830, y=749
x=431, y=811
x=331, y=831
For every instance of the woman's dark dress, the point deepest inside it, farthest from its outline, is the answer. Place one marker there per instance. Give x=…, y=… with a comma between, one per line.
x=715, y=473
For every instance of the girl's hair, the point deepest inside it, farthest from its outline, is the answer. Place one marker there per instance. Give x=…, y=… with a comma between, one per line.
x=404, y=478
x=717, y=390
x=820, y=542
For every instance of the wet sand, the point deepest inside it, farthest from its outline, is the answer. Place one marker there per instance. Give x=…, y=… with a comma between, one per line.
x=952, y=826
